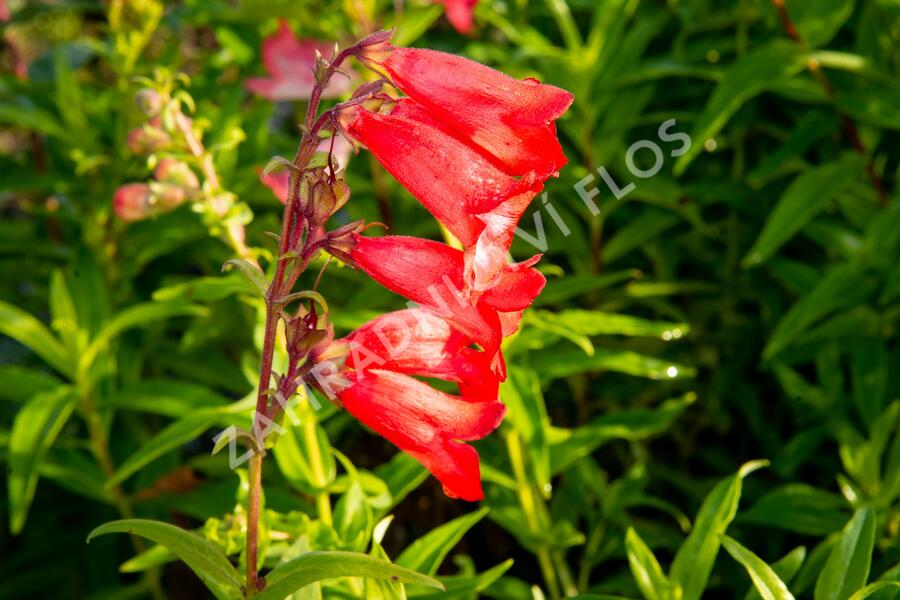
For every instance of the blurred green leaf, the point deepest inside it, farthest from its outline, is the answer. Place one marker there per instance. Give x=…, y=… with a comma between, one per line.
x=554, y=363
x=817, y=21
x=174, y=436
x=35, y=428
x=28, y=331
x=135, y=316
x=798, y=507
x=802, y=200
x=751, y=75
x=569, y=445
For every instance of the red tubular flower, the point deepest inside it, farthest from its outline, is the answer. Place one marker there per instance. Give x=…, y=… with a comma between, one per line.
x=431, y=274
x=459, y=185
x=474, y=146
x=290, y=62
x=418, y=342
x=424, y=422
x=459, y=13
x=512, y=120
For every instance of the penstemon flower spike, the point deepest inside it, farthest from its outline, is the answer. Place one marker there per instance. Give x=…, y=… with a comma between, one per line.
x=474, y=150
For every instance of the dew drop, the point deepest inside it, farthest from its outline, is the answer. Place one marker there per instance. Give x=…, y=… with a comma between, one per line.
x=672, y=371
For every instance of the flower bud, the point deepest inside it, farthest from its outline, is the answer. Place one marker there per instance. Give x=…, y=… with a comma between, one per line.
x=132, y=202
x=174, y=171
x=148, y=101
x=326, y=199
x=166, y=196
x=147, y=140
x=302, y=335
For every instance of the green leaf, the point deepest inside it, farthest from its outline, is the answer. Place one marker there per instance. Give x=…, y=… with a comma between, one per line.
x=34, y=430
x=148, y=559
x=817, y=21
x=170, y=438
x=427, y=553
x=570, y=286
x=786, y=567
x=462, y=587
x=695, y=558
x=798, y=507
x=766, y=581
x=639, y=232
x=168, y=397
x=648, y=575
x=18, y=384
x=135, y=316
x=596, y=322
x=874, y=587
x=297, y=449
x=251, y=272
x=353, y=516
x=415, y=21
x=847, y=569
x=553, y=363
x=402, y=474
x=804, y=199
x=202, y=289
x=751, y=75
x=316, y=566
x=28, y=331
x=521, y=393
x=63, y=314
x=202, y=556
x=841, y=287
x=569, y=445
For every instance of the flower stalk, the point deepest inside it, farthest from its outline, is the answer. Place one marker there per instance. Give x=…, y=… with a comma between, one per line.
x=293, y=221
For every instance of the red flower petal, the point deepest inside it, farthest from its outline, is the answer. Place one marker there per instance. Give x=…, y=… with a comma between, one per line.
x=429, y=273
x=451, y=178
x=487, y=257
x=426, y=424
x=511, y=119
x=516, y=287
x=418, y=342
x=290, y=62
x=277, y=182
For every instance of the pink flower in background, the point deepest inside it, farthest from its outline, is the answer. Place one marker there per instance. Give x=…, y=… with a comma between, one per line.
x=459, y=13
x=4, y=12
x=290, y=62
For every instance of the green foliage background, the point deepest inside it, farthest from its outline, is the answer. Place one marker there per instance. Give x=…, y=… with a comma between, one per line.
x=715, y=351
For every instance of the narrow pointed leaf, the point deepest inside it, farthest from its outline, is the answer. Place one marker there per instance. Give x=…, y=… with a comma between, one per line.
x=202, y=556
x=648, y=575
x=847, y=568
x=28, y=331
x=766, y=581
x=35, y=428
x=695, y=558
x=427, y=553
x=293, y=575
